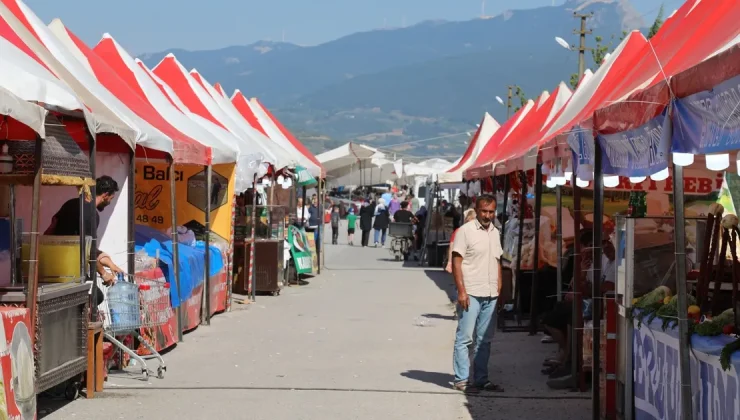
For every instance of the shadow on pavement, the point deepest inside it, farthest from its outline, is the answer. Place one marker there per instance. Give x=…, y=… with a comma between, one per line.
x=438, y=316
x=436, y=378
x=444, y=281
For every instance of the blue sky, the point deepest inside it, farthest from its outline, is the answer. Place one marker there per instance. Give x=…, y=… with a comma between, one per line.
x=155, y=25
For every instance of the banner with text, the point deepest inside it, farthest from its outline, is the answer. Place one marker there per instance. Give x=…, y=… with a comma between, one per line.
x=642, y=151
x=709, y=121
x=152, y=199
x=657, y=380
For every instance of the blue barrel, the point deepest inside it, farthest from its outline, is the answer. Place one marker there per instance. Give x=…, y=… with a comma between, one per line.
x=124, y=306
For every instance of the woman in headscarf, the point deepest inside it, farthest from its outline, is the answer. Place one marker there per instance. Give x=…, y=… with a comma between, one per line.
x=366, y=221
x=382, y=220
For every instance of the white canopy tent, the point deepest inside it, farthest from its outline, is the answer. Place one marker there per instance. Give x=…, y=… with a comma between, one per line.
x=378, y=171
x=349, y=159
x=24, y=112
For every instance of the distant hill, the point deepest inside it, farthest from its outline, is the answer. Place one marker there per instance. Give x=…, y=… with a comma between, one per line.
x=394, y=86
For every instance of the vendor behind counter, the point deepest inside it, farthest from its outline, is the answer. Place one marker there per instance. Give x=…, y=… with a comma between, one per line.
x=66, y=222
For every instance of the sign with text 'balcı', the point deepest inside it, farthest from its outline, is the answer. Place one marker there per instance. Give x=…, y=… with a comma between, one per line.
x=152, y=198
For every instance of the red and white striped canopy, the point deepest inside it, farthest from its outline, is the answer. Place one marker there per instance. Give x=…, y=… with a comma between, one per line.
x=277, y=131
x=486, y=129
x=185, y=148
x=139, y=80
x=108, y=113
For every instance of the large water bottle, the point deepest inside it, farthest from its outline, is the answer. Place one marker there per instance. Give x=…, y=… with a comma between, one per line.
x=124, y=306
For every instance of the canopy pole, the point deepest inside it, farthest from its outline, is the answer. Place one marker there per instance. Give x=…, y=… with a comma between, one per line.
x=684, y=341
x=505, y=214
x=596, y=304
x=533, y=324
x=559, y=239
x=131, y=191
x=253, y=245
x=93, y=233
x=577, y=316
x=176, y=249
x=206, y=318
x=33, y=269
x=320, y=243
x=520, y=239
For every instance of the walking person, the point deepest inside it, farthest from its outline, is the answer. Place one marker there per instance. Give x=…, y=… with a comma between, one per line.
x=366, y=221
x=351, y=222
x=382, y=220
x=476, y=267
x=334, y=224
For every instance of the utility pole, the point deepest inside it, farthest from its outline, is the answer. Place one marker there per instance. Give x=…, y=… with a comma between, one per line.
x=582, y=45
x=508, y=102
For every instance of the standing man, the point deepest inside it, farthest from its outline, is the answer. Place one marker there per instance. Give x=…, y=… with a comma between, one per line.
x=476, y=267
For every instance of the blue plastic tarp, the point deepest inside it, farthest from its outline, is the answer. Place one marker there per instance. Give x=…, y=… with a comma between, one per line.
x=191, y=262
x=217, y=260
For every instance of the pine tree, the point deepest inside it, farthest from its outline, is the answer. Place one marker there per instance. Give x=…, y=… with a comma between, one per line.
x=657, y=24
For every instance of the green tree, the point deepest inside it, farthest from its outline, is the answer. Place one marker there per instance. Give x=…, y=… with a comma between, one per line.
x=657, y=24
x=522, y=98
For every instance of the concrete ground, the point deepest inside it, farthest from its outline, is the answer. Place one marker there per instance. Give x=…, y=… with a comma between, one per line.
x=368, y=339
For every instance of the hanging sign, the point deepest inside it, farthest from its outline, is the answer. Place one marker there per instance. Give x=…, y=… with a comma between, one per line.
x=642, y=151
x=709, y=121
x=152, y=197
x=299, y=250
x=303, y=177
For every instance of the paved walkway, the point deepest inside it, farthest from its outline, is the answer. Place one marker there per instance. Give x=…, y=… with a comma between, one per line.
x=368, y=339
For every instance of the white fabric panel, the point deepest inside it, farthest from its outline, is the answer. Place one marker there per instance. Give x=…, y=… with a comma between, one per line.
x=27, y=113
x=26, y=78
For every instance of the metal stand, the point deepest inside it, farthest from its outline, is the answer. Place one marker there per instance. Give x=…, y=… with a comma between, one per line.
x=175, y=250
x=559, y=238
x=206, y=317
x=533, y=324
x=93, y=233
x=596, y=284
x=520, y=239
x=684, y=341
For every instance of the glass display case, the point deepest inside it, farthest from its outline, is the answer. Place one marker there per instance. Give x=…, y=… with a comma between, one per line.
x=645, y=259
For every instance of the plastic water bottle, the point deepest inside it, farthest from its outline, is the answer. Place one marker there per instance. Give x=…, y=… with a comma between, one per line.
x=123, y=302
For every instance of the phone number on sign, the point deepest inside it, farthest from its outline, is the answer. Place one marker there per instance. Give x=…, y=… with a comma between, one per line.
x=143, y=218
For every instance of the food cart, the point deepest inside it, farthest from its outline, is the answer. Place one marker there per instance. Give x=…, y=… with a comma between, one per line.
x=47, y=274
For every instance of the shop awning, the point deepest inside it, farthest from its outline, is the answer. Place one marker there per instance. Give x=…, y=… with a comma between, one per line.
x=697, y=31
x=199, y=102
x=519, y=151
x=486, y=129
x=111, y=115
x=242, y=105
x=142, y=83
x=274, y=149
x=185, y=148
x=483, y=165
x=277, y=132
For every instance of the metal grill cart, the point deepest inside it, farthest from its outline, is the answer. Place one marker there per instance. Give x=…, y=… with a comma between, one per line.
x=269, y=239
x=50, y=286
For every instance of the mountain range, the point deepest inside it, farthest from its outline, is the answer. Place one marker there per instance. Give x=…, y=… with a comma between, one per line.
x=400, y=88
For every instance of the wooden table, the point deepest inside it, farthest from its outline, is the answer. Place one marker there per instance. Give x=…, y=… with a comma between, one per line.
x=95, y=364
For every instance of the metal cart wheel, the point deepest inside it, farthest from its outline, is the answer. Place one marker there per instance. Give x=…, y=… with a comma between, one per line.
x=160, y=371
x=72, y=390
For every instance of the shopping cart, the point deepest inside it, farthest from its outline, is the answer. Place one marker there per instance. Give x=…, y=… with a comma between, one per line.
x=132, y=306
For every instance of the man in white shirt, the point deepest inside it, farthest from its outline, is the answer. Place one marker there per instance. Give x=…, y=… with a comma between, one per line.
x=476, y=267
x=301, y=213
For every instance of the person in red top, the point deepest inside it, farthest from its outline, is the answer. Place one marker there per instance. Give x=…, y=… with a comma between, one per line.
x=468, y=216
